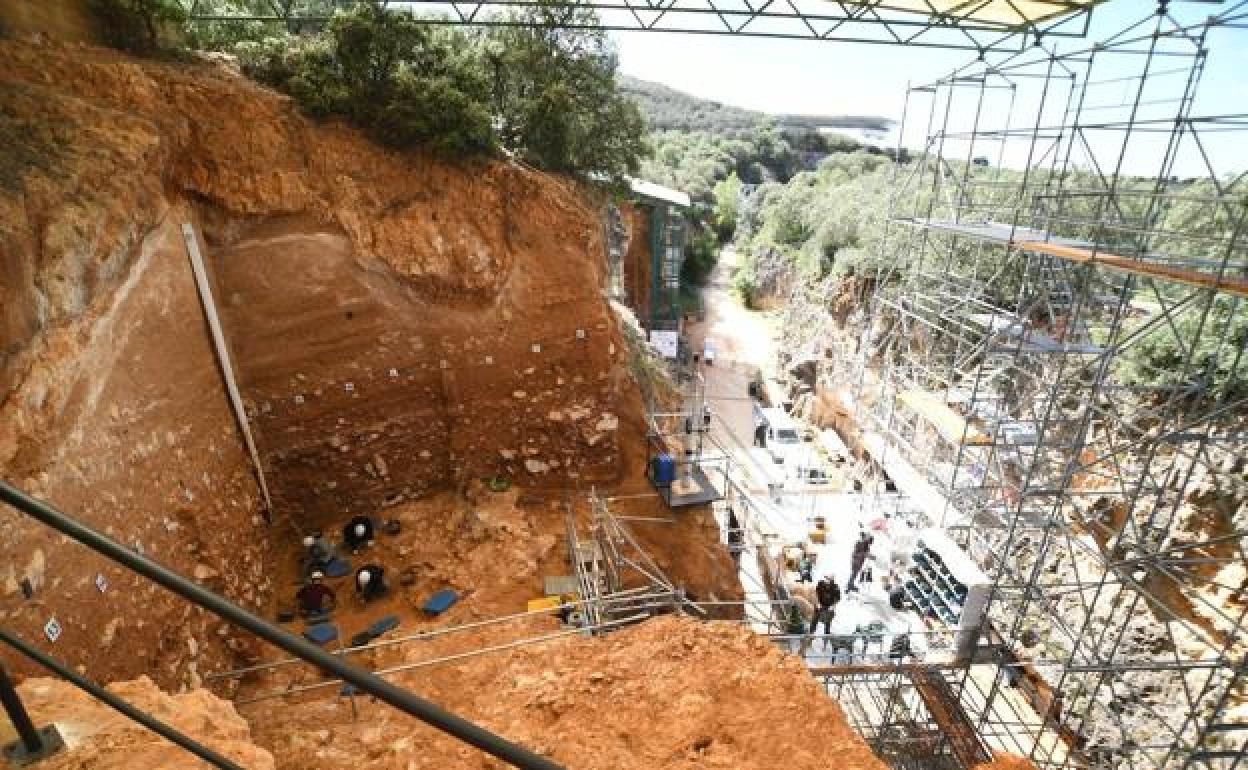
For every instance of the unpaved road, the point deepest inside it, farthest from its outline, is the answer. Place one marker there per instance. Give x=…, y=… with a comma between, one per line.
x=744, y=342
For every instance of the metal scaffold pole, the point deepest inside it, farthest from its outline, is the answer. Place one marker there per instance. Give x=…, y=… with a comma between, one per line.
x=1074, y=214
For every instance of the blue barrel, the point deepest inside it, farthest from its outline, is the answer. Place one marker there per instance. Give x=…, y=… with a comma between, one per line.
x=664, y=469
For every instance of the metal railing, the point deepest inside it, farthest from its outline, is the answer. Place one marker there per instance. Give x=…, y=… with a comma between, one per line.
x=363, y=680
x=34, y=743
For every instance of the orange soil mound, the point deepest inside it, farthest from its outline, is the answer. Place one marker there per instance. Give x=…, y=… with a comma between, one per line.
x=98, y=738
x=671, y=693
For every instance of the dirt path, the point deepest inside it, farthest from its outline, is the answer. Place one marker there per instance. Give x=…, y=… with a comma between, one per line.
x=744, y=342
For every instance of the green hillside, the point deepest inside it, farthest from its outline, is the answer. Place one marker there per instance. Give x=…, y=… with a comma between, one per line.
x=667, y=109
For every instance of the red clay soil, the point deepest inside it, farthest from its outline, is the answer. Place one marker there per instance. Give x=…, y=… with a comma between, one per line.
x=670, y=693
x=399, y=325
x=638, y=260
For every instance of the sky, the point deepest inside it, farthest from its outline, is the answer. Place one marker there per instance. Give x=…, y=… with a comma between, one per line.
x=828, y=77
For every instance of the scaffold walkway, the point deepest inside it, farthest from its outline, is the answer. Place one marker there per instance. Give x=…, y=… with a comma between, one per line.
x=1085, y=253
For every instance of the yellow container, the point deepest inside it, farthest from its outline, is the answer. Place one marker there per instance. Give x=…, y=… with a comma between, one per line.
x=545, y=603
x=818, y=536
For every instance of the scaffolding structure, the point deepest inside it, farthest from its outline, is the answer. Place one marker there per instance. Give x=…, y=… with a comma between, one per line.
x=981, y=25
x=1052, y=369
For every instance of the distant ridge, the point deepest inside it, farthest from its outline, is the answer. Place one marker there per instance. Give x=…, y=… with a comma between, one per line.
x=667, y=109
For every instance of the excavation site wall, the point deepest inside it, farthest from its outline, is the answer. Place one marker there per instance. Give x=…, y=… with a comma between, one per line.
x=397, y=324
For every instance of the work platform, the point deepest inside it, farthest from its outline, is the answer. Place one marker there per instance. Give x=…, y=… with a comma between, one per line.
x=695, y=489
x=1084, y=253
x=954, y=427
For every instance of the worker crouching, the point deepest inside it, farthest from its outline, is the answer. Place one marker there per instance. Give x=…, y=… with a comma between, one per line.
x=370, y=582
x=315, y=598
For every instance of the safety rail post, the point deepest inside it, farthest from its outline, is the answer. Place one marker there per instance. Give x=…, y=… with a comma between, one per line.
x=365, y=681
x=32, y=744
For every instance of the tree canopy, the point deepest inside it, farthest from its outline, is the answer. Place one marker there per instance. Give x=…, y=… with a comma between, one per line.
x=542, y=88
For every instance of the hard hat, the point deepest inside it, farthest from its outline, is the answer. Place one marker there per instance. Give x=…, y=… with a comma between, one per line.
x=318, y=575
x=309, y=541
x=360, y=529
x=365, y=577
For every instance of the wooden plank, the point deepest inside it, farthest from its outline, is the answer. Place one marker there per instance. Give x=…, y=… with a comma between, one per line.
x=882, y=668
x=1238, y=286
x=223, y=359
x=950, y=717
x=953, y=426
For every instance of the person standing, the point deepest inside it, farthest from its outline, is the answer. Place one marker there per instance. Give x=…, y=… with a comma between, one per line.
x=805, y=569
x=897, y=598
x=858, y=558
x=760, y=432
x=828, y=593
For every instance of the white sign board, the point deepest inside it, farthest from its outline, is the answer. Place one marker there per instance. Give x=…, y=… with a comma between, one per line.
x=666, y=342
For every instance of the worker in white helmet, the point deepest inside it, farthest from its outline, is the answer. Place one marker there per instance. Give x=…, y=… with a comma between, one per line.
x=316, y=598
x=358, y=533
x=317, y=553
x=370, y=582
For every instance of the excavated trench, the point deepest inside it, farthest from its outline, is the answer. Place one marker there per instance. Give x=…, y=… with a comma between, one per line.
x=400, y=330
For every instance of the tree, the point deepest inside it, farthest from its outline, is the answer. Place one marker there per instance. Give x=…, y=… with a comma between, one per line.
x=225, y=33
x=1214, y=333
x=141, y=27
x=404, y=82
x=547, y=95
x=557, y=100
x=726, y=193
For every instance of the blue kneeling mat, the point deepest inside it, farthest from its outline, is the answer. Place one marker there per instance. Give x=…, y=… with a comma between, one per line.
x=321, y=633
x=388, y=623
x=440, y=602
x=337, y=567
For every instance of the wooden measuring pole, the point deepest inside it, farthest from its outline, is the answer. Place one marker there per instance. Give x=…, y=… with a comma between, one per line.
x=223, y=358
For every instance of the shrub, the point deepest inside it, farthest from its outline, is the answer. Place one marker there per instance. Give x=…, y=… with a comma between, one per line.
x=404, y=82
x=700, y=257
x=141, y=27
x=547, y=95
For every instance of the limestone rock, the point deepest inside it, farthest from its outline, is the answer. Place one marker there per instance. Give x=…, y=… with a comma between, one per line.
x=102, y=739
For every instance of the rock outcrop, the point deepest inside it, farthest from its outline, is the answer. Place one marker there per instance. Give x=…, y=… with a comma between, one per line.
x=98, y=738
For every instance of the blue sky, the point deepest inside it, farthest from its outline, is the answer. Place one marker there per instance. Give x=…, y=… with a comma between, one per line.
x=854, y=78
